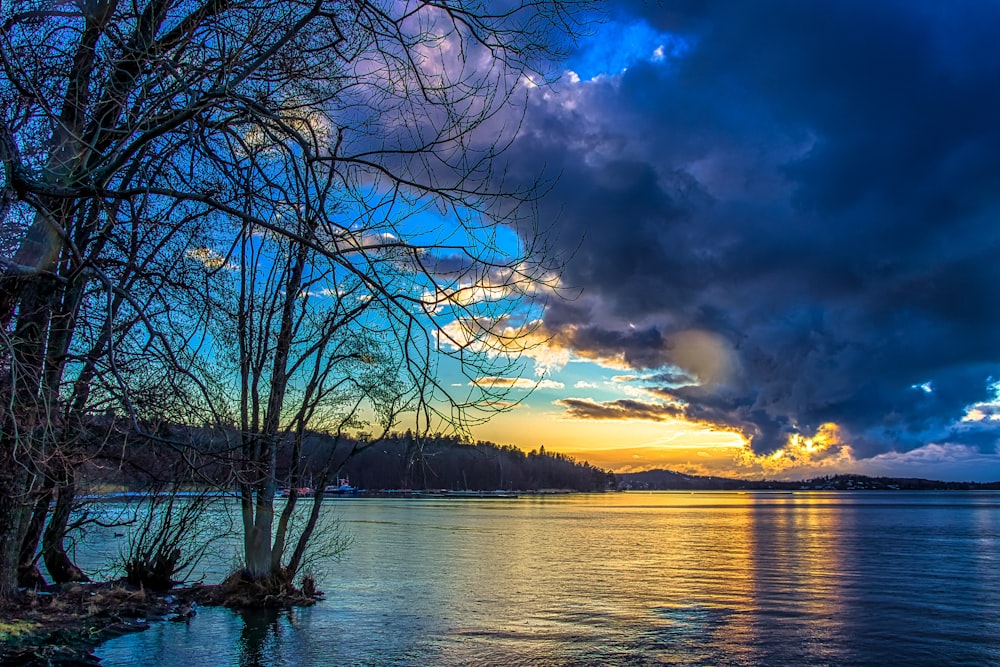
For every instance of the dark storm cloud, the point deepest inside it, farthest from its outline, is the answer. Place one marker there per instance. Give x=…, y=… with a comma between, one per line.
x=818, y=185
x=620, y=409
x=670, y=378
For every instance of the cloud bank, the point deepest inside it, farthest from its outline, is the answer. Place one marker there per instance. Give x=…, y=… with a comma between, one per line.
x=790, y=215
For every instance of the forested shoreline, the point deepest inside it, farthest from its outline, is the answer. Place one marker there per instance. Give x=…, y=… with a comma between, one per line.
x=668, y=480
x=396, y=461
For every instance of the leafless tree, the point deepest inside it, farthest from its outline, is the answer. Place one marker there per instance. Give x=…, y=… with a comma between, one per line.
x=339, y=127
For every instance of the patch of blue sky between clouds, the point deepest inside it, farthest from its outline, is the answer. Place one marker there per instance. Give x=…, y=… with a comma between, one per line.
x=616, y=46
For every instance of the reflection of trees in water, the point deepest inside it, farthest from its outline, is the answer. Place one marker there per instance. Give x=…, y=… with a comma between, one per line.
x=260, y=627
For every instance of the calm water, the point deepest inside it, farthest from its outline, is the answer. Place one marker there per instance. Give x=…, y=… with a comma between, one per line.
x=631, y=579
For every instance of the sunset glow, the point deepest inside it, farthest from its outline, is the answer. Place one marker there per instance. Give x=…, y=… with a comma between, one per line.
x=745, y=298
x=531, y=332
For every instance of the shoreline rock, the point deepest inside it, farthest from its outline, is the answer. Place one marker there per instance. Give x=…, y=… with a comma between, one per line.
x=62, y=625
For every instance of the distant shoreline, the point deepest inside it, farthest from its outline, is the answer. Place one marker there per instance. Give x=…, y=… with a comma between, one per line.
x=444, y=494
x=667, y=480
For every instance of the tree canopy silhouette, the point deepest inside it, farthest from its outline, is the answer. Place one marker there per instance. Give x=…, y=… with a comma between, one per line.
x=337, y=166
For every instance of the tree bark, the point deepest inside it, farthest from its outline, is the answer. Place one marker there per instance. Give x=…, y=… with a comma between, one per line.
x=28, y=573
x=259, y=565
x=14, y=486
x=57, y=561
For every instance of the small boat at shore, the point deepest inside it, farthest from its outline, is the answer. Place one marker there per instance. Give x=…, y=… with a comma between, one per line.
x=342, y=488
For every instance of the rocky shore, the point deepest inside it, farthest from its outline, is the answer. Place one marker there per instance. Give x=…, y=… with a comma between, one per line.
x=61, y=626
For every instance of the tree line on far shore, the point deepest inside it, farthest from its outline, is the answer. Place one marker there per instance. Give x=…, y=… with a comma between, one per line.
x=449, y=463
x=396, y=461
x=667, y=480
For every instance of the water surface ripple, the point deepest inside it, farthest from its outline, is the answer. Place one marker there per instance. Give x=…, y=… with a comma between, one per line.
x=810, y=578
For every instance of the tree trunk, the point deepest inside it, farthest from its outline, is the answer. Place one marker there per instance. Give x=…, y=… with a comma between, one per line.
x=259, y=565
x=281, y=533
x=13, y=488
x=57, y=561
x=28, y=574
x=257, y=500
x=262, y=561
x=295, y=562
x=23, y=428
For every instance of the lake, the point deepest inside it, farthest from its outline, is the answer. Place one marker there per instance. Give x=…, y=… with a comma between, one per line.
x=756, y=578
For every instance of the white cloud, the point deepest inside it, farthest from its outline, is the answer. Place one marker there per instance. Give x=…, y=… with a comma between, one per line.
x=495, y=338
x=946, y=460
x=516, y=383
x=930, y=453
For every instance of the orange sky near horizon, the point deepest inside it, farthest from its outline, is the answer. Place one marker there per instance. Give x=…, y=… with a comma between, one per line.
x=635, y=445
x=621, y=446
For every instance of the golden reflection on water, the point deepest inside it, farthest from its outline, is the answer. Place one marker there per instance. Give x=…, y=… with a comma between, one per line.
x=799, y=569
x=715, y=570
x=651, y=579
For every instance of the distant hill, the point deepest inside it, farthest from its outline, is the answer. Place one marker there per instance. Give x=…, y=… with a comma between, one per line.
x=668, y=480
